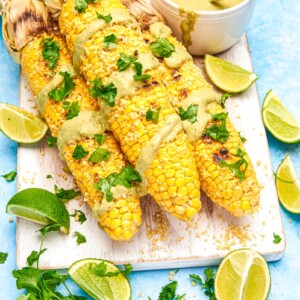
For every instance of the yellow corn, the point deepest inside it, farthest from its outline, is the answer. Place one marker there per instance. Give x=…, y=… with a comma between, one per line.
x=172, y=178
x=123, y=219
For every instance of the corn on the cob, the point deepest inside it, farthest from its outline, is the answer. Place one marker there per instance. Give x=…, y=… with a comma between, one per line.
x=172, y=177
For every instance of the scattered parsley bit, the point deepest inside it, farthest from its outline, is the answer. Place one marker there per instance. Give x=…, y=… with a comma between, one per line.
x=168, y=292
x=3, y=257
x=277, y=238
x=101, y=270
x=107, y=92
x=125, y=61
x=110, y=41
x=9, y=176
x=49, y=176
x=66, y=194
x=81, y=5
x=243, y=139
x=162, y=47
x=208, y=284
x=219, y=133
x=139, y=70
x=51, y=141
x=126, y=177
x=79, y=152
x=73, y=109
x=107, y=18
x=50, y=51
x=190, y=114
x=100, y=138
x=80, y=238
x=152, y=115
x=224, y=98
x=99, y=154
x=64, y=90
x=79, y=216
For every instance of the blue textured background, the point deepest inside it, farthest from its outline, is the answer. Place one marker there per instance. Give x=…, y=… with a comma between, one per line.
x=274, y=41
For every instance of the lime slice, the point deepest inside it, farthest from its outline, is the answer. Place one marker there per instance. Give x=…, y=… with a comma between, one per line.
x=279, y=121
x=288, y=186
x=20, y=125
x=39, y=206
x=227, y=76
x=100, y=288
x=243, y=275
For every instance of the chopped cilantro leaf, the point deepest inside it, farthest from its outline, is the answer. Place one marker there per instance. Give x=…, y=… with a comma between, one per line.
x=162, y=47
x=64, y=90
x=99, y=154
x=49, y=176
x=138, y=68
x=79, y=152
x=3, y=257
x=66, y=194
x=107, y=92
x=224, y=98
x=190, y=114
x=9, y=176
x=277, y=238
x=80, y=238
x=73, y=109
x=168, y=291
x=243, y=139
x=125, y=61
x=100, y=138
x=79, y=216
x=50, y=51
x=107, y=18
x=81, y=5
x=125, y=178
x=51, y=141
x=142, y=77
x=110, y=41
x=34, y=257
x=101, y=270
x=152, y=115
x=218, y=132
x=48, y=228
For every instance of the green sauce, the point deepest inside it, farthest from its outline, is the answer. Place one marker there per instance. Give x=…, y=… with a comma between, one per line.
x=206, y=4
x=187, y=25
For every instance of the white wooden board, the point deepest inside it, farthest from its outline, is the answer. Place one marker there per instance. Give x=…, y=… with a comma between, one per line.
x=204, y=241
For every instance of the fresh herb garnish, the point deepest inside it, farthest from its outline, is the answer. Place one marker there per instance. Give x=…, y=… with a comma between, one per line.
x=64, y=90
x=126, y=177
x=51, y=141
x=99, y=154
x=49, y=176
x=218, y=132
x=107, y=92
x=50, y=51
x=9, y=176
x=100, y=138
x=79, y=216
x=81, y=5
x=152, y=115
x=107, y=18
x=277, y=238
x=110, y=41
x=125, y=61
x=168, y=292
x=162, y=47
x=66, y=195
x=101, y=270
x=208, y=284
x=139, y=70
x=79, y=152
x=3, y=257
x=243, y=139
x=80, y=238
x=190, y=114
x=224, y=98
x=73, y=109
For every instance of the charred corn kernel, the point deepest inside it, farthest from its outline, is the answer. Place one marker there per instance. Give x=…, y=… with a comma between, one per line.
x=86, y=174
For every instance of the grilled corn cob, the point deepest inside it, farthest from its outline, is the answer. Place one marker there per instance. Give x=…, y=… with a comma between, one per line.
x=171, y=178
x=122, y=218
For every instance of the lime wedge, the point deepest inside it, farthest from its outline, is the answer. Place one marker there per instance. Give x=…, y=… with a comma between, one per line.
x=277, y=119
x=20, y=125
x=39, y=206
x=288, y=186
x=100, y=288
x=227, y=76
x=243, y=275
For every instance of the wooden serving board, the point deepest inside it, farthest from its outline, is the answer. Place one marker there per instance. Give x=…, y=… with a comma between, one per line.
x=163, y=241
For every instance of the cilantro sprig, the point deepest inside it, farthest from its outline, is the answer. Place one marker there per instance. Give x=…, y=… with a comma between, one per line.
x=81, y=5
x=65, y=88
x=79, y=152
x=139, y=70
x=168, y=292
x=218, y=132
x=80, y=238
x=152, y=115
x=277, y=238
x=223, y=99
x=107, y=92
x=79, y=216
x=110, y=41
x=50, y=51
x=100, y=138
x=162, y=48
x=126, y=178
x=72, y=108
x=51, y=141
x=66, y=195
x=101, y=270
x=107, y=18
x=190, y=114
x=99, y=154
x=125, y=61
x=3, y=257
x=9, y=176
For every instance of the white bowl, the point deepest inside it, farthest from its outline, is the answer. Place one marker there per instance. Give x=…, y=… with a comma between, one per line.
x=214, y=31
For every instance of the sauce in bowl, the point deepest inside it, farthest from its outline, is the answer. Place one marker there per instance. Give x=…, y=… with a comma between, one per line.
x=206, y=4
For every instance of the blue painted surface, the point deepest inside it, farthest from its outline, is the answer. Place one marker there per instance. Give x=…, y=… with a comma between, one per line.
x=274, y=41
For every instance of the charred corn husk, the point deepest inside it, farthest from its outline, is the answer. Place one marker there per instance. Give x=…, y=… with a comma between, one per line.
x=169, y=172
x=120, y=218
